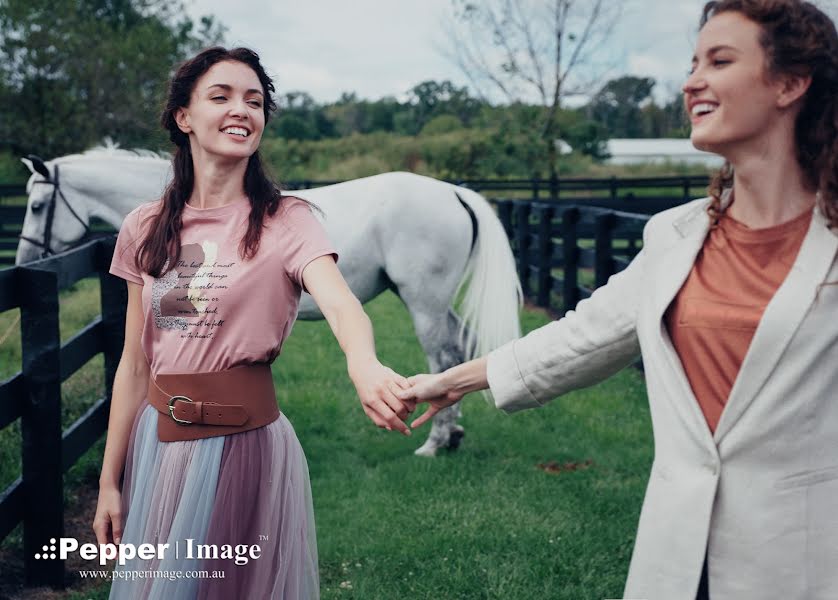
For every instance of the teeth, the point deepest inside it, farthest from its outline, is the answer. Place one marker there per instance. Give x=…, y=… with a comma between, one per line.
x=703, y=109
x=236, y=131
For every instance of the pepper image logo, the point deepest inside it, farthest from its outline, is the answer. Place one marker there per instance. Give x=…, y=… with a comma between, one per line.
x=240, y=554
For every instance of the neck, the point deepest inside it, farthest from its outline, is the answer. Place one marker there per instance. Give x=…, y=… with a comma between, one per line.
x=769, y=187
x=217, y=181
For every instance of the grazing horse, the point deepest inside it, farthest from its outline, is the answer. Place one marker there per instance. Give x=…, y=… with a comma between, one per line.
x=422, y=238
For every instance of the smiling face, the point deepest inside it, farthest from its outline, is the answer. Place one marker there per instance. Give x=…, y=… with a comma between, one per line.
x=729, y=96
x=225, y=116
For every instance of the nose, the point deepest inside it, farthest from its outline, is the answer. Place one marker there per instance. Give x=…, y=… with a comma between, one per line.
x=695, y=82
x=238, y=108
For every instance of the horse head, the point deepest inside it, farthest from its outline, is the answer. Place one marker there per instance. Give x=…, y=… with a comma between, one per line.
x=53, y=221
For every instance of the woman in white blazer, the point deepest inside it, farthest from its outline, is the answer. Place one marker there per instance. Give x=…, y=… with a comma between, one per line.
x=746, y=502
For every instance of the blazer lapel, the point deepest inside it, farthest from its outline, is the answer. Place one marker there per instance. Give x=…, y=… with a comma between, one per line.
x=781, y=319
x=670, y=275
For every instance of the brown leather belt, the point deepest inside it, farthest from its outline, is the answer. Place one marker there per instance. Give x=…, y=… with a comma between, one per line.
x=192, y=406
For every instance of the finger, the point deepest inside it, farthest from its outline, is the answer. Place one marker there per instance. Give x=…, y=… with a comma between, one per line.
x=405, y=393
x=116, y=525
x=100, y=528
x=389, y=416
x=402, y=381
x=386, y=393
x=425, y=417
x=373, y=416
x=407, y=405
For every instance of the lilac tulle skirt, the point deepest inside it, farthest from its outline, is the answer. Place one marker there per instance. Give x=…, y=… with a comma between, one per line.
x=225, y=492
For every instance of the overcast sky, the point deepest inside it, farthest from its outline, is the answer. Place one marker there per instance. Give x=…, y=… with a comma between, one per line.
x=378, y=48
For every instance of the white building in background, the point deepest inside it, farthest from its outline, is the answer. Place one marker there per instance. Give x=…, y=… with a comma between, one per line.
x=658, y=150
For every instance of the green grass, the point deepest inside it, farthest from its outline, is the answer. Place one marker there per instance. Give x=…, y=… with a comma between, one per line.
x=481, y=523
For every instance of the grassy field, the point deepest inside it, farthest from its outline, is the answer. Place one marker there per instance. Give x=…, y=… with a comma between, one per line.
x=537, y=505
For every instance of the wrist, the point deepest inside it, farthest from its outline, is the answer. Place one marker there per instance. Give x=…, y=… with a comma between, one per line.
x=356, y=364
x=108, y=483
x=466, y=377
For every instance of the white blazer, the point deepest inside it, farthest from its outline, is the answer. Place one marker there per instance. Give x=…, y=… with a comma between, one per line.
x=761, y=494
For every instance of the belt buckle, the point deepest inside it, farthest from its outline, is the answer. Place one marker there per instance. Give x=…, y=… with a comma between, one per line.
x=172, y=408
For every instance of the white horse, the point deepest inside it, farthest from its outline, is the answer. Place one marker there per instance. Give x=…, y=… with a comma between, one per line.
x=420, y=237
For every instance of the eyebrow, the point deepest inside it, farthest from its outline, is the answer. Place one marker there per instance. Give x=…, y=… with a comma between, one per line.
x=228, y=88
x=718, y=48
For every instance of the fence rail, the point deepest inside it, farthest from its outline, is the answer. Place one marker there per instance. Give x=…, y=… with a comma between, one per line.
x=33, y=395
x=557, y=246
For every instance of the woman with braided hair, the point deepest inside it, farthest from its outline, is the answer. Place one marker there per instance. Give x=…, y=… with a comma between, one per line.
x=733, y=305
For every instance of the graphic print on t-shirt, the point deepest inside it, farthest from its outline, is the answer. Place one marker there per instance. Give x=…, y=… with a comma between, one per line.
x=187, y=296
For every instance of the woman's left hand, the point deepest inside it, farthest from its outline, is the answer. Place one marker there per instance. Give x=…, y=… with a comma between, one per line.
x=377, y=387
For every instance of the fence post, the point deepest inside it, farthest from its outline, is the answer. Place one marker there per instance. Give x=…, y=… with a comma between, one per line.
x=505, y=215
x=535, y=189
x=603, y=249
x=43, y=480
x=522, y=239
x=554, y=187
x=544, y=245
x=686, y=189
x=570, y=253
x=612, y=184
x=114, y=299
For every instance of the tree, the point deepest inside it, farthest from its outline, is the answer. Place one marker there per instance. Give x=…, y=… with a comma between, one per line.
x=75, y=71
x=530, y=49
x=618, y=105
x=431, y=99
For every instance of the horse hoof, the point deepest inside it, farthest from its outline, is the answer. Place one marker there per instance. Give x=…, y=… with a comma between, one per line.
x=455, y=438
x=426, y=449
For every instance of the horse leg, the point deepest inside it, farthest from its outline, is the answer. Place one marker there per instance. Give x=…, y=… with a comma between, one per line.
x=441, y=343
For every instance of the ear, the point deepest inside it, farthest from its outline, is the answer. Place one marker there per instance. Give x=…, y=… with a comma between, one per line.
x=182, y=120
x=28, y=164
x=38, y=165
x=792, y=88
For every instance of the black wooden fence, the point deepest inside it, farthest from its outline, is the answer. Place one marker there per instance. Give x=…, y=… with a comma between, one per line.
x=33, y=395
x=564, y=252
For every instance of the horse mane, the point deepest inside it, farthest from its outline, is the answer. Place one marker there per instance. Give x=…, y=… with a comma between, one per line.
x=110, y=149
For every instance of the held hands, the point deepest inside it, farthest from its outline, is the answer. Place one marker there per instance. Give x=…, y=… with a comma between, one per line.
x=378, y=388
x=435, y=390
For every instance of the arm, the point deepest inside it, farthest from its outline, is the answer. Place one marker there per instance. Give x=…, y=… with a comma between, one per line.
x=129, y=388
x=376, y=384
x=589, y=344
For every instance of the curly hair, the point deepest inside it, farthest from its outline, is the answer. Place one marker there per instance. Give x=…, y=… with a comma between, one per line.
x=798, y=39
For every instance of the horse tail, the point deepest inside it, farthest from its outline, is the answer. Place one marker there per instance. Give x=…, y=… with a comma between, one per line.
x=490, y=305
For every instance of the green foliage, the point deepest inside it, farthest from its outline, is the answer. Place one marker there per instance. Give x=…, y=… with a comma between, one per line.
x=75, y=71
x=11, y=169
x=441, y=124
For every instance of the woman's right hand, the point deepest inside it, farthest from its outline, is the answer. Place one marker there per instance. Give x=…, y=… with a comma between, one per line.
x=434, y=389
x=107, y=524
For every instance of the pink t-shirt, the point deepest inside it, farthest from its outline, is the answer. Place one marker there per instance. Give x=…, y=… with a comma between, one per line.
x=214, y=311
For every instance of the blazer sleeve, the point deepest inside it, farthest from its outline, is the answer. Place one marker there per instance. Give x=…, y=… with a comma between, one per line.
x=589, y=344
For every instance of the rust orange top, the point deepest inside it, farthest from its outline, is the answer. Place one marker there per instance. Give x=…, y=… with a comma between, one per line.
x=714, y=316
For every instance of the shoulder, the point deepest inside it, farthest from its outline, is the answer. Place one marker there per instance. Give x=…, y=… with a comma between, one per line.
x=136, y=221
x=295, y=213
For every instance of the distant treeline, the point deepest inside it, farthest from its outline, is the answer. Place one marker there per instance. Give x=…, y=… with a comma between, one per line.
x=73, y=72
x=623, y=107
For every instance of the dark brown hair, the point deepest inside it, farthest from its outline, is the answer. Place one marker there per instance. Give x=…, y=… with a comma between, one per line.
x=163, y=237
x=798, y=39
